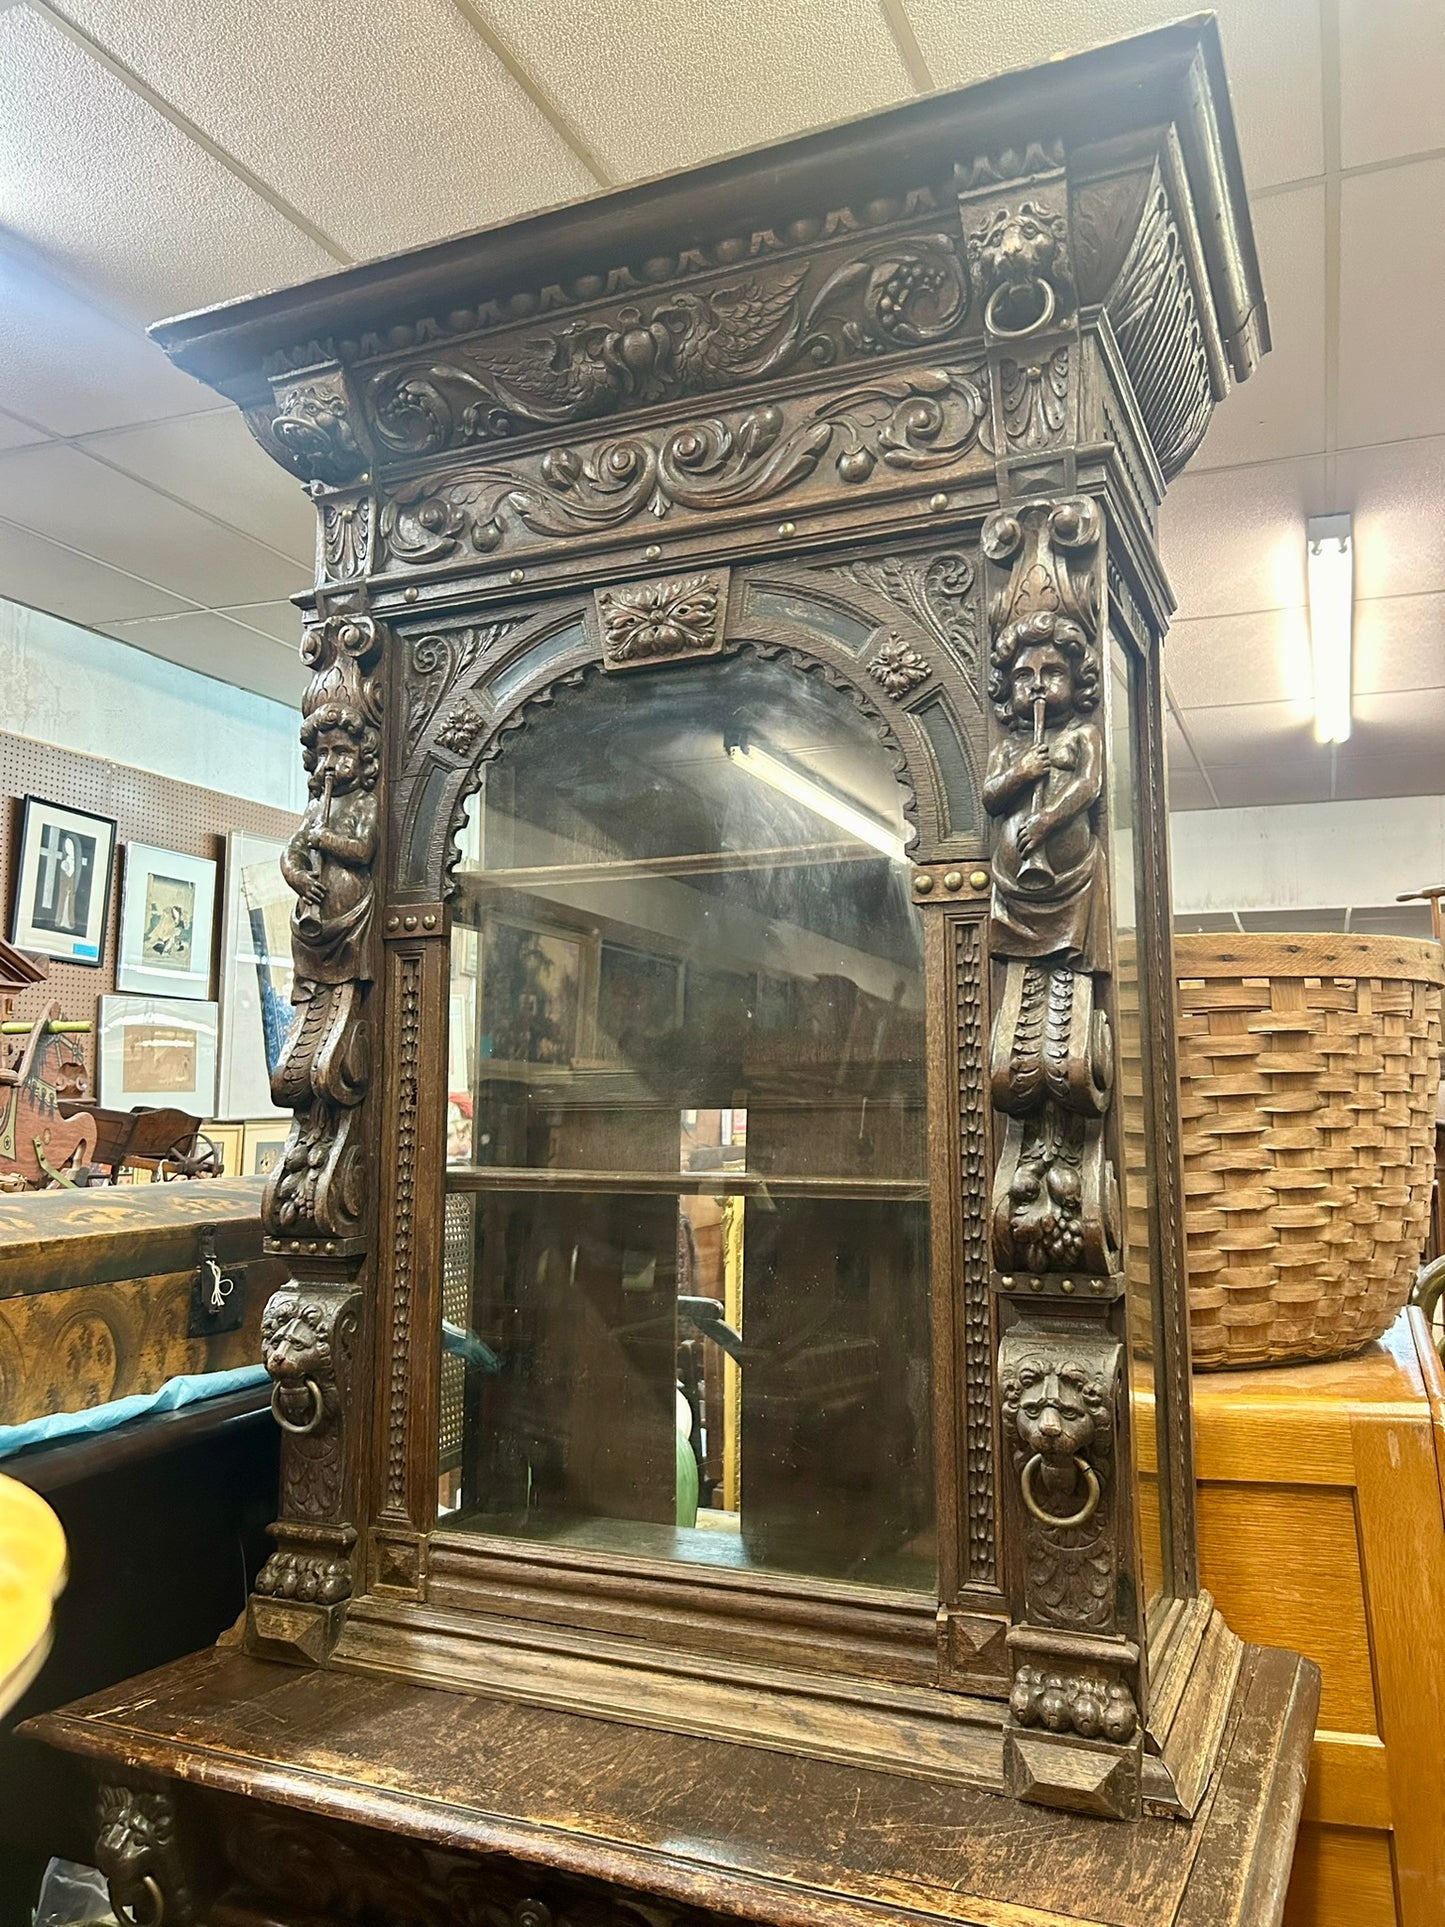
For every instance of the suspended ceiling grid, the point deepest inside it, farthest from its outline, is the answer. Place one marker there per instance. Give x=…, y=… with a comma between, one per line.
x=154, y=159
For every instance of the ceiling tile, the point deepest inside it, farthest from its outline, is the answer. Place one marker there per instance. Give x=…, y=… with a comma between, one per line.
x=1262, y=657
x=212, y=462
x=653, y=87
x=46, y=576
x=281, y=621
x=1395, y=493
x=456, y=145
x=17, y=434
x=1400, y=644
x=70, y=368
x=96, y=179
x=58, y=491
x=1228, y=734
x=1416, y=774
x=215, y=647
x=1403, y=723
x=1233, y=540
x=1280, y=410
x=1272, y=52
x=1188, y=790
x=1391, y=60
x=1274, y=778
x=1392, y=283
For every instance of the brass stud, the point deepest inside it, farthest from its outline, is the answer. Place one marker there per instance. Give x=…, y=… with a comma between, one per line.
x=517, y=575
x=787, y=528
x=953, y=880
x=1096, y=1284
x=1067, y=1286
x=652, y=552
x=393, y=923
x=1036, y=1284
x=1007, y=1283
x=978, y=880
x=408, y=923
x=331, y=1246
x=938, y=502
x=429, y=921
x=923, y=883
x=410, y=592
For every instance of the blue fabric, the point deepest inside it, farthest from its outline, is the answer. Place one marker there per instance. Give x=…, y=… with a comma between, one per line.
x=176, y=1392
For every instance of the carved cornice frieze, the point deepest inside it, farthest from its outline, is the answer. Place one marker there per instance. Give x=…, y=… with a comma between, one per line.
x=901, y=427
x=777, y=318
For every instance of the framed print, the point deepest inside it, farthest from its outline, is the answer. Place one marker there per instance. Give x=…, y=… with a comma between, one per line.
x=157, y=1052
x=535, y=983
x=167, y=911
x=62, y=882
x=263, y=1143
x=229, y=1141
x=255, y=987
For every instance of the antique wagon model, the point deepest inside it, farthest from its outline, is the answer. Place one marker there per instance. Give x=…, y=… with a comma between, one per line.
x=735, y=1376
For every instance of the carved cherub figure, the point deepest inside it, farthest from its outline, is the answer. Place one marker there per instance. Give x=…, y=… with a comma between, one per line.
x=328, y=861
x=1044, y=781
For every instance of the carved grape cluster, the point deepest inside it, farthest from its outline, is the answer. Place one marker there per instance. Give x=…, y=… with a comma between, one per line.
x=1090, y=1705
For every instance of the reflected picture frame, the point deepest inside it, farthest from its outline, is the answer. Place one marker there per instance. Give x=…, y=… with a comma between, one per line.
x=61, y=902
x=167, y=923
x=263, y=1142
x=157, y=1053
x=254, y=991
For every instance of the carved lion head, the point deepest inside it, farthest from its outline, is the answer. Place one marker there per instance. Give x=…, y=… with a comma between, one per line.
x=1056, y=1408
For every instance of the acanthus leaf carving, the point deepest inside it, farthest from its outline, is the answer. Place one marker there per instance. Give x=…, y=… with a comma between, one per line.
x=435, y=664
x=1035, y=397
x=662, y=621
x=345, y=536
x=937, y=591
x=904, y=424
x=896, y=294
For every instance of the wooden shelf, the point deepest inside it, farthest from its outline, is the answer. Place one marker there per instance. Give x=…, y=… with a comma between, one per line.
x=688, y=1184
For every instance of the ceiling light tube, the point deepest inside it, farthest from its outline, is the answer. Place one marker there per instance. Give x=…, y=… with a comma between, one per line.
x=1330, y=564
x=792, y=783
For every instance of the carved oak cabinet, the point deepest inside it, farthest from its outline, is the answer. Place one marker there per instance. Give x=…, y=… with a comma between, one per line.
x=734, y=1376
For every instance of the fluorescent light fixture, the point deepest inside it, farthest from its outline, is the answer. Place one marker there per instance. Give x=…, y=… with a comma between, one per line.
x=1331, y=569
x=813, y=796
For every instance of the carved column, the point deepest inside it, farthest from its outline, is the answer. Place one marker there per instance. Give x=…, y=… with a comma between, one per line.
x=1073, y=1736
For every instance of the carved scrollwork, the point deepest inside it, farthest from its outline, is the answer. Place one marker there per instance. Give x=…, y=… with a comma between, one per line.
x=137, y=1851
x=662, y=621
x=1019, y=256
x=938, y=592
x=435, y=664
x=895, y=294
x=907, y=423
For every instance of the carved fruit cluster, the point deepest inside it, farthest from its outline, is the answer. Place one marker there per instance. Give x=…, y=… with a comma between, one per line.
x=1090, y=1705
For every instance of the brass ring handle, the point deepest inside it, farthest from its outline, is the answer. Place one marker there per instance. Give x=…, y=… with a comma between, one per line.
x=127, y=1915
x=318, y=1406
x=1085, y=1512
x=1040, y=320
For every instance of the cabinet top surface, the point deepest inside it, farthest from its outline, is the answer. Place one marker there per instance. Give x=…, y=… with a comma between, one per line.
x=1101, y=100
x=672, y=1813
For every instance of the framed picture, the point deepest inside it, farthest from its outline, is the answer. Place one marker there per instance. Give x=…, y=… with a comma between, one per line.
x=264, y=1141
x=255, y=987
x=229, y=1140
x=167, y=910
x=157, y=1051
x=535, y=990
x=62, y=882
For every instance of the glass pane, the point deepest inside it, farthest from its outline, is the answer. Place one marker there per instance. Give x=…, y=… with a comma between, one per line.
x=687, y=1227
x=1141, y=1227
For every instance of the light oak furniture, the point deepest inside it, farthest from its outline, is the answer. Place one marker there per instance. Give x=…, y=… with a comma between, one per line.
x=1322, y=1527
x=735, y=768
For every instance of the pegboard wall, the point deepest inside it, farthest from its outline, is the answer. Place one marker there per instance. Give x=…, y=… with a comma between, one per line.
x=147, y=809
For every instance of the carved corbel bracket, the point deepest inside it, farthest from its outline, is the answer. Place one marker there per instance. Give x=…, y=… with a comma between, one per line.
x=137, y=1849
x=313, y=426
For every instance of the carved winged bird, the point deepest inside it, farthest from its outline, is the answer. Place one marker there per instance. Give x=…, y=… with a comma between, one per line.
x=693, y=343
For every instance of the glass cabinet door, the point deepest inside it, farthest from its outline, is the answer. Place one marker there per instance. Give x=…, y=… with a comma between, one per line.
x=687, y=1298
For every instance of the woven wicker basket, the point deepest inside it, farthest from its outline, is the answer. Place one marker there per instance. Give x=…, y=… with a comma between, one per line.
x=1308, y=1069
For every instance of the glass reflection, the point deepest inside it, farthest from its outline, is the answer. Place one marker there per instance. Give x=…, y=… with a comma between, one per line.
x=687, y=1231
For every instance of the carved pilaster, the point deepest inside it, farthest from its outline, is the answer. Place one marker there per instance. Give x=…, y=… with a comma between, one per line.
x=137, y=1850
x=315, y=1204
x=1074, y=1715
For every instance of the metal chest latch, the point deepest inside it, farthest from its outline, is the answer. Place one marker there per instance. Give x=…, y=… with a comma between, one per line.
x=218, y=1300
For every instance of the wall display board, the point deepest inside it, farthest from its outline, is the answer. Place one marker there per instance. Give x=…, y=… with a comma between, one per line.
x=157, y=1052
x=255, y=997
x=62, y=886
x=167, y=911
